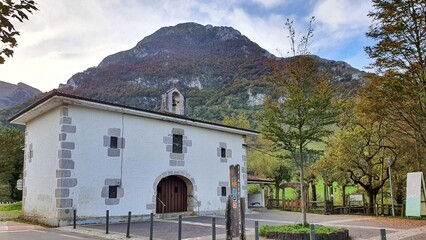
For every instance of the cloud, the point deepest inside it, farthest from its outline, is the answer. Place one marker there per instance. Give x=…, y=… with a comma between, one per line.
x=339, y=20
x=66, y=37
x=268, y=3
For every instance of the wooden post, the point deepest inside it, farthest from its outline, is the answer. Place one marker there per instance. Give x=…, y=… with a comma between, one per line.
x=243, y=219
x=235, y=198
x=228, y=219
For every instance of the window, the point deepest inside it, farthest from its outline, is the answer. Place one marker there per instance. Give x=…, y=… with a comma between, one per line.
x=112, y=192
x=177, y=143
x=113, y=142
x=223, y=191
x=223, y=152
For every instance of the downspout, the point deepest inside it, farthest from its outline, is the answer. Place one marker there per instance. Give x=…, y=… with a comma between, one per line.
x=122, y=149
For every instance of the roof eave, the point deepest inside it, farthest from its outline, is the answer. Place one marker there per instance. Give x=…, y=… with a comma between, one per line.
x=56, y=99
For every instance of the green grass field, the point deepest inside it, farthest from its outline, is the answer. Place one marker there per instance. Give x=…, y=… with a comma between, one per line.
x=337, y=192
x=11, y=208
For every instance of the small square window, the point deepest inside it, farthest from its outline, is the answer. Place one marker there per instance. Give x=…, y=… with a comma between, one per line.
x=113, y=142
x=112, y=192
x=176, y=189
x=223, y=152
x=223, y=191
x=177, y=143
x=31, y=154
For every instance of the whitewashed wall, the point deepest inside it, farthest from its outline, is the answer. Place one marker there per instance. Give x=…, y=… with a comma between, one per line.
x=40, y=171
x=140, y=165
x=144, y=161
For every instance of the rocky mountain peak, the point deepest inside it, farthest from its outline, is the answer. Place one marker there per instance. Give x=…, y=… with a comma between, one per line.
x=215, y=67
x=11, y=94
x=184, y=39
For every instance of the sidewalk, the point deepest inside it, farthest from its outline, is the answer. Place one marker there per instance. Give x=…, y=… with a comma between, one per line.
x=10, y=226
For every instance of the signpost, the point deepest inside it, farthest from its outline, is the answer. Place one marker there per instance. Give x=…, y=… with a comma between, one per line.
x=234, y=209
x=19, y=184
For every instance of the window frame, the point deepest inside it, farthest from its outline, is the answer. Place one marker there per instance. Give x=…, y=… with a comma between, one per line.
x=223, y=191
x=113, y=142
x=223, y=152
x=177, y=143
x=112, y=191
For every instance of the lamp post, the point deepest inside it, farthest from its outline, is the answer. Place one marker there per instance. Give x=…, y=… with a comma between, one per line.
x=390, y=183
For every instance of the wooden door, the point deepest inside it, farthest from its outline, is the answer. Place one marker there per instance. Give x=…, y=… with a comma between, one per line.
x=171, y=192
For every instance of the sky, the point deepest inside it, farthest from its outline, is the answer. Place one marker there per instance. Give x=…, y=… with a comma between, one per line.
x=68, y=36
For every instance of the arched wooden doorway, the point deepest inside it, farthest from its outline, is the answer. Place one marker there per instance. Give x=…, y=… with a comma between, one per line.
x=171, y=195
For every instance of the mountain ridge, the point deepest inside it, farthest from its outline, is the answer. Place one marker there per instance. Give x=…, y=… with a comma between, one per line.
x=12, y=94
x=219, y=70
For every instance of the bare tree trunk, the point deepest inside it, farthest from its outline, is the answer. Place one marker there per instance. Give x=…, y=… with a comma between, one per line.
x=302, y=186
x=344, y=195
x=276, y=202
x=371, y=203
x=314, y=194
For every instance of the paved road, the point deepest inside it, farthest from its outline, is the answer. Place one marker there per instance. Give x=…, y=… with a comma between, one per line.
x=360, y=227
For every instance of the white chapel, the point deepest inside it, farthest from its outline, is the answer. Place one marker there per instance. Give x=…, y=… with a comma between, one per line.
x=94, y=156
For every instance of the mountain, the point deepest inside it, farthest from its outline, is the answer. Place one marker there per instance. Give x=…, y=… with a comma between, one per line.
x=218, y=70
x=11, y=94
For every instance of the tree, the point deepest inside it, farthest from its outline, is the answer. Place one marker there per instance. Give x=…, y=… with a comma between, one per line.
x=361, y=149
x=11, y=158
x=259, y=162
x=398, y=91
x=304, y=110
x=264, y=163
x=12, y=10
x=240, y=121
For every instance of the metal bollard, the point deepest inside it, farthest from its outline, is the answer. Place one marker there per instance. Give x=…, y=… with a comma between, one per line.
x=128, y=225
x=151, y=226
x=312, y=232
x=382, y=234
x=74, y=218
x=180, y=228
x=256, y=230
x=107, y=222
x=213, y=228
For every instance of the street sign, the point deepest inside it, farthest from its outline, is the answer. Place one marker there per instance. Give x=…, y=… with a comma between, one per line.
x=19, y=184
x=416, y=194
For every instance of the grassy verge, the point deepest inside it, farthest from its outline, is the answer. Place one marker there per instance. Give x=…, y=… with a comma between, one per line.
x=297, y=228
x=15, y=208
